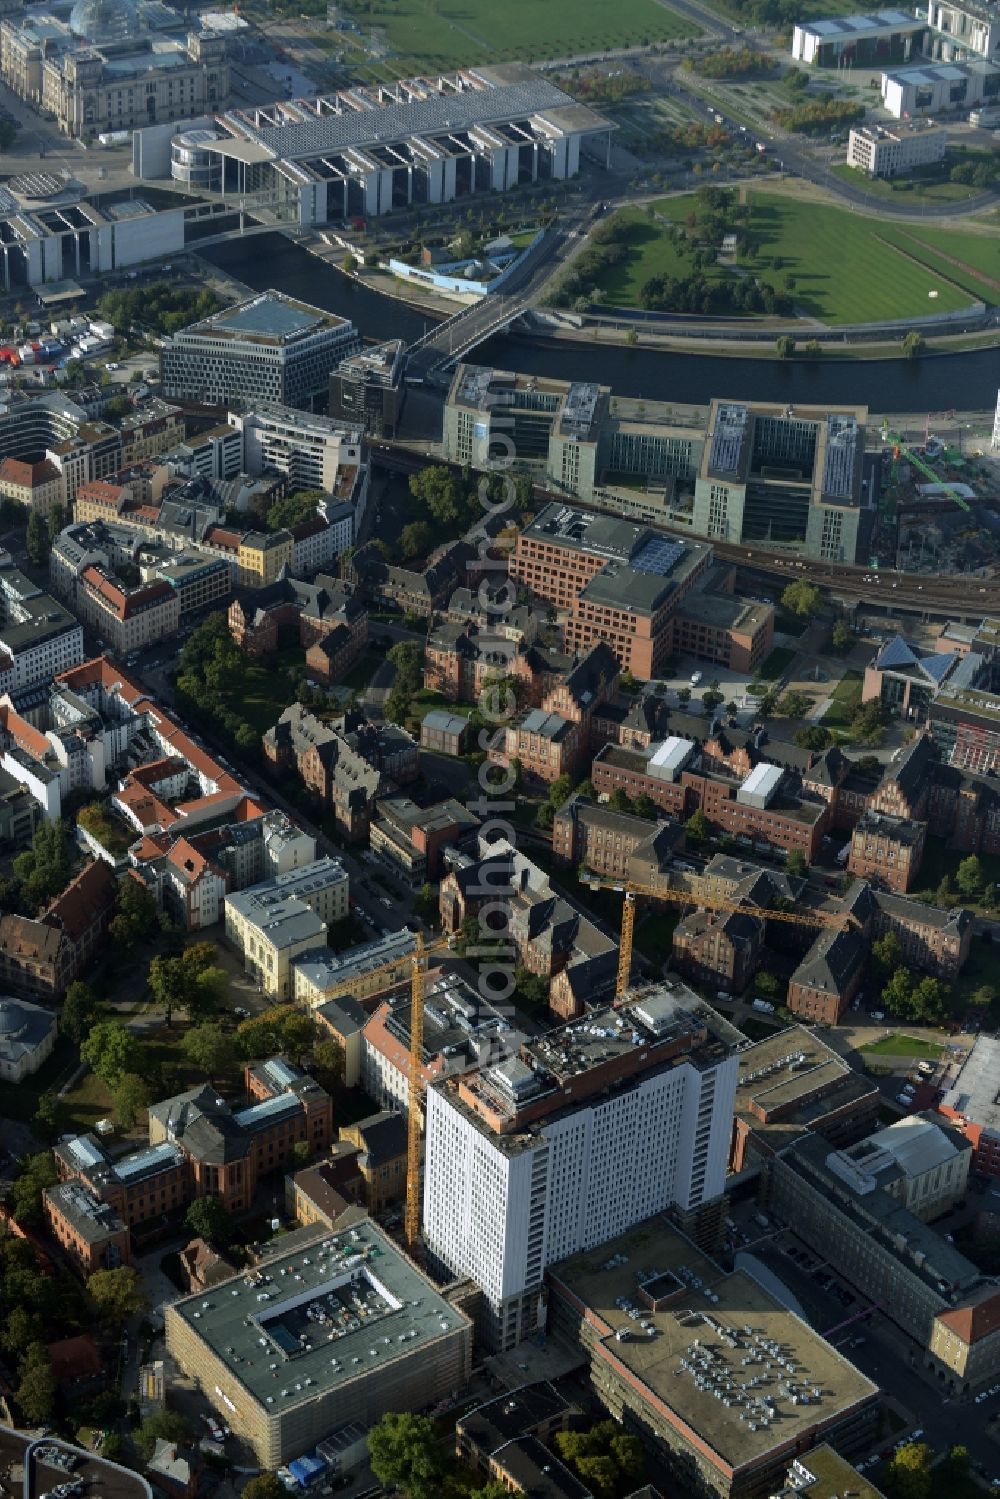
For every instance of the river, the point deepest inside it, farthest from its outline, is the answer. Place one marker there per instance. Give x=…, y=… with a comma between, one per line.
x=966, y=381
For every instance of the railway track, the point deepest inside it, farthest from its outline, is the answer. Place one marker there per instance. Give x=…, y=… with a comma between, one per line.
x=957, y=595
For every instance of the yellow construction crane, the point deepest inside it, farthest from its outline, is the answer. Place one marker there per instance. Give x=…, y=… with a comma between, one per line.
x=421, y=951
x=631, y=890
x=411, y=1219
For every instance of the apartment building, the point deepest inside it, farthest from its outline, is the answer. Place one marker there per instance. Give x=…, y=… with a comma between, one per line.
x=792, y=1083
x=89, y=1232
x=461, y=1030
x=880, y=1248
x=270, y=924
x=553, y=937
x=128, y=619
x=200, y=1146
x=972, y=1104
x=554, y=739
x=271, y=348
x=670, y=1400
x=767, y=808
x=38, y=637
x=890, y=153
x=411, y=840
x=41, y=957
x=428, y=1355
x=584, y=1133
x=783, y=475
x=829, y=976
x=615, y=844
x=198, y=582
x=346, y=761
x=887, y=850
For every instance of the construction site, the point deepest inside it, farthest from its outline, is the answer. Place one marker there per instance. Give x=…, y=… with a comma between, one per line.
x=939, y=510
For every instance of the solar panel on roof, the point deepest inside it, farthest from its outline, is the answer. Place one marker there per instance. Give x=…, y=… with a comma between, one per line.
x=658, y=556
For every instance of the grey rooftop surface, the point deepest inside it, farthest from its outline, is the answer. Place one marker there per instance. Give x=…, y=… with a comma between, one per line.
x=692, y=1329
x=257, y=1323
x=976, y=1090
x=443, y=113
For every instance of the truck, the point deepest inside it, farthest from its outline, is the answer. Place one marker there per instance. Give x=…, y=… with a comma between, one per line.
x=764, y=1006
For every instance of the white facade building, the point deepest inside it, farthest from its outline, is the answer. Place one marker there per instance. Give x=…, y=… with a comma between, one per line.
x=595, y=1127
x=27, y=1036
x=965, y=28
x=886, y=153
x=935, y=87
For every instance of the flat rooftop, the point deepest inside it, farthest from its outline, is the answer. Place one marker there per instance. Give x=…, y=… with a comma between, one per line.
x=269, y=318
x=663, y=1025
x=797, y=1077
x=318, y=1316
x=874, y=23
x=51, y=1462
x=722, y=1355
x=976, y=1090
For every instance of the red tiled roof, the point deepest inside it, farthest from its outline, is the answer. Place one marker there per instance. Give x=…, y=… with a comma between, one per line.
x=218, y=536
x=28, y=475
x=155, y=771
x=976, y=1321
x=24, y=734
x=102, y=492
x=85, y=900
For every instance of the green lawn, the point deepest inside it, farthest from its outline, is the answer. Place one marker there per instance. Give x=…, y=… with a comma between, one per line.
x=450, y=34
x=846, y=266
x=846, y=697
x=897, y=1045
x=939, y=860
x=777, y=662
x=928, y=186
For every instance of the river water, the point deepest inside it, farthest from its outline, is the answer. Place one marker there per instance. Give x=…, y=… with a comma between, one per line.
x=966, y=382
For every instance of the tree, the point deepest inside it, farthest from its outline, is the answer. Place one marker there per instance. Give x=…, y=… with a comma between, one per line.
x=426, y=903
x=131, y=1095
x=438, y=490
x=404, y=1452
x=929, y=1000
x=698, y=828
x=56, y=520
x=887, y=953
x=36, y=1392
x=600, y=1475
x=796, y=863
x=683, y=696
x=36, y=1173
x=37, y=540
x=207, y=1218
x=259, y=1037
x=327, y=1064
x=48, y=1116
x=913, y=344
x=802, y=598
x=785, y=346
x=80, y=1009
x=302, y=1154
x=644, y=806
x=136, y=918
x=618, y=801
x=897, y=993
x=111, y=1050
x=117, y=1295
x=294, y=509
x=841, y=636
x=208, y=1047
x=794, y=705
x=265, y=1485
x=909, y=1472
x=416, y=539
x=969, y=877
x=560, y=790
x=710, y=699
x=191, y=981
x=813, y=737
x=298, y=1031
x=868, y=723
x=169, y=1425
x=766, y=984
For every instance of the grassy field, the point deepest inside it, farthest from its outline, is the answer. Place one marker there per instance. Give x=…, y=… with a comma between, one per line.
x=847, y=267
x=922, y=187
x=457, y=33
x=897, y=1045
x=846, y=697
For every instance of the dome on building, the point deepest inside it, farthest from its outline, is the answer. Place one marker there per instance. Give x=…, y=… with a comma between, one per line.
x=105, y=20
x=12, y=1018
